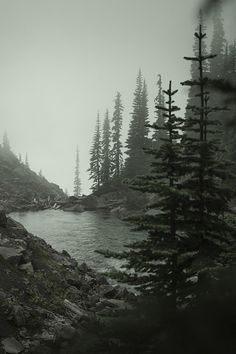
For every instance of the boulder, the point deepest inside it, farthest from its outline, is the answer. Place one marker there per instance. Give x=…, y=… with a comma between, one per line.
x=75, y=309
x=11, y=254
x=19, y=317
x=12, y=346
x=27, y=267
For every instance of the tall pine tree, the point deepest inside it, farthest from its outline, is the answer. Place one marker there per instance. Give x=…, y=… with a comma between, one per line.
x=117, y=156
x=77, y=181
x=136, y=162
x=156, y=259
x=159, y=134
x=106, y=152
x=95, y=158
x=218, y=43
x=205, y=180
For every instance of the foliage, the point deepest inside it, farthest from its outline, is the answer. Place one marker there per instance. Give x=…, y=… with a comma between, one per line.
x=137, y=162
x=95, y=157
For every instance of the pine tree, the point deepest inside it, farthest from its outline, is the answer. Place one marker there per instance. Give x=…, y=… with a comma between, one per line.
x=137, y=161
x=6, y=143
x=159, y=134
x=117, y=156
x=20, y=158
x=155, y=259
x=40, y=173
x=218, y=43
x=192, y=99
x=106, y=152
x=77, y=182
x=205, y=182
x=95, y=157
x=26, y=160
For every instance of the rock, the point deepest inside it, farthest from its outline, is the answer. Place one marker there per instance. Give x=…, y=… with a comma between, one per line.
x=12, y=346
x=74, y=282
x=66, y=254
x=119, y=304
x=18, y=314
x=83, y=268
x=10, y=252
x=74, y=308
x=17, y=226
x=101, y=280
x=108, y=291
x=3, y=218
x=27, y=267
x=76, y=208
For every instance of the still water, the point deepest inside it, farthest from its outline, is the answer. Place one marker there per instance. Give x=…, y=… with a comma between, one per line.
x=80, y=234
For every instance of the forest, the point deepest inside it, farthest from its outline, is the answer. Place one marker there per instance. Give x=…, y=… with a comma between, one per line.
x=171, y=290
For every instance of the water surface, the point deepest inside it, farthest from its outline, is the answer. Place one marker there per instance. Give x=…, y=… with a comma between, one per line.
x=80, y=234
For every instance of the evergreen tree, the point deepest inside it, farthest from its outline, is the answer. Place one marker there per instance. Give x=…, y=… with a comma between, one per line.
x=117, y=158
x=26, y=160
x=205, y=182
x=137, y=161
x=95, y=157
x=218, y=43
x=192, y=99
x=40, y=173
x=77, y=182
x=20, y=158
x=106, y=151
x=156, y=259
x=5, y=142
x=159, y=134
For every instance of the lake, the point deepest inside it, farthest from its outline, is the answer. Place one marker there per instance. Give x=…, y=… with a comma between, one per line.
x=80, y=234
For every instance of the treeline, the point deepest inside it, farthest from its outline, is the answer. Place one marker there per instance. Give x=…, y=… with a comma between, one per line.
x=6, y=146
x=107, y=163
x=185, y=267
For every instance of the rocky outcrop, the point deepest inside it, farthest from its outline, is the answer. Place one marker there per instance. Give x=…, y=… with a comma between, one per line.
x=23, y=189
x=45, y=296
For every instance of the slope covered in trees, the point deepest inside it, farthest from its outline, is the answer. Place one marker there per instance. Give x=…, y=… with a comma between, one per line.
x=19, y=185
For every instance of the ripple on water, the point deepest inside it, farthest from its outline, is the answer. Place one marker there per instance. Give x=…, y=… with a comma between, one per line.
x=80, y=233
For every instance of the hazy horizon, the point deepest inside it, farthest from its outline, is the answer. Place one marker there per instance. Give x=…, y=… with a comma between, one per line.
x=64, y=60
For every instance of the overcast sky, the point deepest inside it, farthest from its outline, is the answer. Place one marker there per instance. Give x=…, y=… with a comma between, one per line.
x=63, y=60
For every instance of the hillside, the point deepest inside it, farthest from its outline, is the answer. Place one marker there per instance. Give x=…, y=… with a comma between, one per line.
x=19, y=185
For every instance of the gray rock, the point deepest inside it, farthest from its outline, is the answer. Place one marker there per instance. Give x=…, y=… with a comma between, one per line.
x=27, y=267
x=10, y=252
x=12, y=346
x=74, y=308
x=17, y=226
x=19, y=315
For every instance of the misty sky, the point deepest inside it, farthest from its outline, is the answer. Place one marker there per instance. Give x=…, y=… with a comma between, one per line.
x=63, y=60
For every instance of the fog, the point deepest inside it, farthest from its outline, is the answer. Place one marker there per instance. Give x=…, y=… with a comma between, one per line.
x=63, y=60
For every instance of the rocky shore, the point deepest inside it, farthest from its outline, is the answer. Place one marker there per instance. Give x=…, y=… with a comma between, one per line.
x=46, y=297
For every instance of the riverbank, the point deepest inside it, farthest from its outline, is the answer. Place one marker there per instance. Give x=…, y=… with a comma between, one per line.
x=46, y=296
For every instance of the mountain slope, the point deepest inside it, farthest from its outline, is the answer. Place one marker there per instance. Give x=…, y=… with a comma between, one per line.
x=19, y=185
